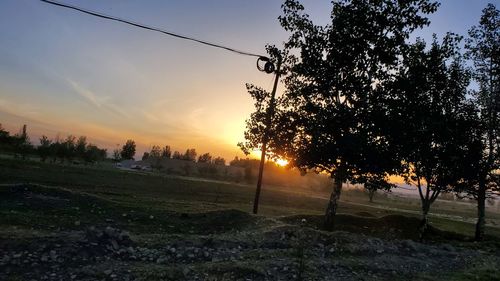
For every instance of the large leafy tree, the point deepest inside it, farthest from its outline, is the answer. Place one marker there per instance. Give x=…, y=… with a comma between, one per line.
x=432, y=119
x=483, y=48
x=329, y=119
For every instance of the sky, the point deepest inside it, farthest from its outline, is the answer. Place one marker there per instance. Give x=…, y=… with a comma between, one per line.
x=64, y=72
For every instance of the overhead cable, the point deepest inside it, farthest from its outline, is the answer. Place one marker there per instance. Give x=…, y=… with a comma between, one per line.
x=100, y=15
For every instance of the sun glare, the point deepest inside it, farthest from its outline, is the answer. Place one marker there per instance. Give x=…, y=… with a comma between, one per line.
x=282, y=162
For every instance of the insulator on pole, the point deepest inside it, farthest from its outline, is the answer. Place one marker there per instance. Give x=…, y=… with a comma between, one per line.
x=268, y=66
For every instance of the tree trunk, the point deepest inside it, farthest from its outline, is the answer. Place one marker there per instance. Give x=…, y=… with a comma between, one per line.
x=371, y=193
x=425, y=219
x=481, y=198
x=331, y=210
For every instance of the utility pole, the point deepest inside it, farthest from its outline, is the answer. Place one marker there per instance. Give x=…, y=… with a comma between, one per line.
x=265, y=138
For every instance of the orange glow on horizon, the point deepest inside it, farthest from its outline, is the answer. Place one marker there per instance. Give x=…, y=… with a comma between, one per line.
x=280, y=162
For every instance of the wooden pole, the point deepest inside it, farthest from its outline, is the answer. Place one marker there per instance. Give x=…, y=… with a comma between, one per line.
x=265, y=138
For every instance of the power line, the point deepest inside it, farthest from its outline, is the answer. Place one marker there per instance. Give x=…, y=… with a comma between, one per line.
x=100, y=15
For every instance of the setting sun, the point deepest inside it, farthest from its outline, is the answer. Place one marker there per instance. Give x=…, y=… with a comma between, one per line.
x=282, y=162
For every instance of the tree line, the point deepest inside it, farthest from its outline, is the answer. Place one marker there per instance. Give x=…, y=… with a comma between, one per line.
x=157, y=153
x=363, y=103
x=58, y=149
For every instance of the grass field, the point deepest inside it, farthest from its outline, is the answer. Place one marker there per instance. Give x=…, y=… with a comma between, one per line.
x=47, y=208
x=163, y=192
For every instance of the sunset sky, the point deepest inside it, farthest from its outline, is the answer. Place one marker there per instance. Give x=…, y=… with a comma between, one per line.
x=64, y=72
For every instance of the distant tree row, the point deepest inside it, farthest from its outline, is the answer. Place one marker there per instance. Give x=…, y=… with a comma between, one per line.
x=58, y=149
x=19, y=144
x=156, y=154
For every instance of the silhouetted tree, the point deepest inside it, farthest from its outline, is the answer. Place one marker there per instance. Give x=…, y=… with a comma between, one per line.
x=145, y=156
x=375, y=183
x=128, y=150
x=240, y=162
x=43, y=149
x=166, y=152
x=117, y=155
x=94, y=154
x=21, y=143
x=68, y=147
x=177, y=155
x=483, y=48
x=334, y=74
x=155, y=156
x=205, y=158
x=430, y=115
x=56, y=150
x=190, y=155
x=81, y=147
x=5, y=139
x=155, y=152
x=219, y=161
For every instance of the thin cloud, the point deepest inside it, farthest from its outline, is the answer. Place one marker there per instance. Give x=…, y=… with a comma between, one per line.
x=20, y=109
x=101, y=102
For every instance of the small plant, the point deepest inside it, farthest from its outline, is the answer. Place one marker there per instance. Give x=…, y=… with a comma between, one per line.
x=299, y=245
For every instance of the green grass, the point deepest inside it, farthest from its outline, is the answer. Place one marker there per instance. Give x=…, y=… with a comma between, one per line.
x=120, y=192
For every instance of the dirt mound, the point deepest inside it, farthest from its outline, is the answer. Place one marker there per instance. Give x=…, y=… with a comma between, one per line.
x=221, y=220
x=391, y=226
x=365, y=214
x=39, y=196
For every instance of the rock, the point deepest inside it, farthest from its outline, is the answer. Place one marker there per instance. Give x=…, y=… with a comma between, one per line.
x=53, y=255
x=151, y=217
x=77, y=223
x=448, y=248
x=108, y=271
x=111, y=232
x=44, y=258
x=114, y=244
x=131, y=250
x=124, y=236
x=410, y=245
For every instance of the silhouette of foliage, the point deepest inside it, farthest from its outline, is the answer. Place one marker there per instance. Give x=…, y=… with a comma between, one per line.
x=166, y=152
x=128, y=150
x=205, y=158
x=177, y=155
x=43, y=149
x=219, y=161
x=483, y=48
x=190, y=155
x=328, y=118
x=431, y=117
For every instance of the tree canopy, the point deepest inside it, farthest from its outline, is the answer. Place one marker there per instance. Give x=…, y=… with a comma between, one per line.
x=329, y=118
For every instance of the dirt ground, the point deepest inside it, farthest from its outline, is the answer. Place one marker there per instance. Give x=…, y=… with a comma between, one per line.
x=51, y=234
